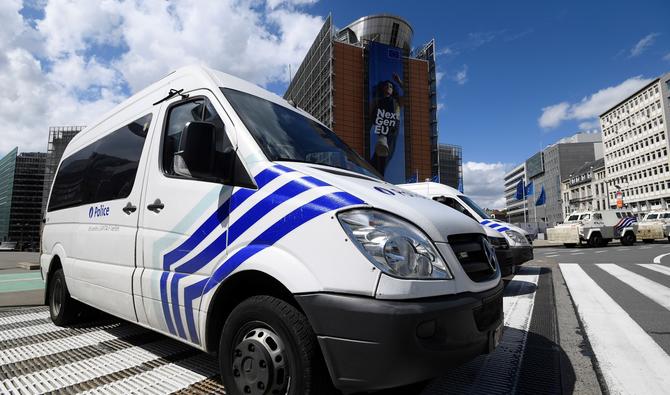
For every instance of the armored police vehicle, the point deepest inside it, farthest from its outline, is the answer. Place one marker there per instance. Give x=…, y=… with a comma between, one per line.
x=595, y=228
x=210, y=210
x=513, y=245
x=653, y=226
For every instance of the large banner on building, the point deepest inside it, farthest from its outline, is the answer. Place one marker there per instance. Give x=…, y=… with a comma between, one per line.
x=385, y=98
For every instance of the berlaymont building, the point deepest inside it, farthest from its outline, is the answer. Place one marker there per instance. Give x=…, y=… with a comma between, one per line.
x=376, y=91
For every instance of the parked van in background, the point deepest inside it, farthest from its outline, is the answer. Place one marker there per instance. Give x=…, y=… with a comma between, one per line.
x=212, y=211
x=512, y=244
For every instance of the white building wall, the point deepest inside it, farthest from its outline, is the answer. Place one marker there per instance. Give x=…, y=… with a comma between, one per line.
x=635, y=138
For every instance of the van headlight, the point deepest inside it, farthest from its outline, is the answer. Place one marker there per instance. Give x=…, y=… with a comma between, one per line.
x=394, y=245
x=517, y=238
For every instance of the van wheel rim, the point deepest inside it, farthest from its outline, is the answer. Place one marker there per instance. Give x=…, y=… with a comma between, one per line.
x=56, y=298
x=259, y=363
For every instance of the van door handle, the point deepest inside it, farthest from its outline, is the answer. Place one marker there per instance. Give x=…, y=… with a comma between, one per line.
x=129, y=209
x=156, y=206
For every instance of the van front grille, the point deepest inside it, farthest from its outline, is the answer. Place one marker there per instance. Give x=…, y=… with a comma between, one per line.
x=470, y=250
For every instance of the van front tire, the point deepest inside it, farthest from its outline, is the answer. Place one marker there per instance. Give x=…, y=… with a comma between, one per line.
x=268, y=347
x=62, y=308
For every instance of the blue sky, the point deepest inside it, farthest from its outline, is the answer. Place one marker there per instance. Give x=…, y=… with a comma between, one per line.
x=514, y=75
x=521, y=57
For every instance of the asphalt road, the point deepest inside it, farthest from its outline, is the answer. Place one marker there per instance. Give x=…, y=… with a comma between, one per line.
x=577, y=320
x=622, y=297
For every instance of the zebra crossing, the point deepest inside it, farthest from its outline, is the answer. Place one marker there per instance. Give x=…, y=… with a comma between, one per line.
x=114, y=357
x=614, y=303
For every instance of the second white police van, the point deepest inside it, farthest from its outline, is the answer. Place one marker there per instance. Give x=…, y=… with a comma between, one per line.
x=512, y=244
x=213, y=211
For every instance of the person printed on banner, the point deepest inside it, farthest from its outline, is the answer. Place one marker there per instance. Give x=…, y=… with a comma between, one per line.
x=385, y=116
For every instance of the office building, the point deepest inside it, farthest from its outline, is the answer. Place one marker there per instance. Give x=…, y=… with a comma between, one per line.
x=450, y=165
x=59, y=138
x=548, y=168
x=585, y=188
x=21, y=184
x=635, y=137
x=364, y=83
x=517, y=210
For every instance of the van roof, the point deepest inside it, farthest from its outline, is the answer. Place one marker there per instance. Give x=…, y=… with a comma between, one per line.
x=204, y=76
x=430, y=188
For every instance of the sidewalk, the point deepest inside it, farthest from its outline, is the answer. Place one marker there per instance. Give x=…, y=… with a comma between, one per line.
x=18, y=286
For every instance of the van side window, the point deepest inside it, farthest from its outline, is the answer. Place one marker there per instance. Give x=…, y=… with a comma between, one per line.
x=104, y=170
x=451, y=202
x=200, y=110
x=597, y=216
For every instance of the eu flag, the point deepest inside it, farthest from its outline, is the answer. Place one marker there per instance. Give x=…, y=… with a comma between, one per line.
x=542, y=198
x=520, y=191
x=529, y=189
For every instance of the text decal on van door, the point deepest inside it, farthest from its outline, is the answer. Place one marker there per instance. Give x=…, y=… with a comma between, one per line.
x=175, y=294
x=98, y=211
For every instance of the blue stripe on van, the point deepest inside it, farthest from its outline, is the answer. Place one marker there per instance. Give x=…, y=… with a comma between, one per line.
x=270, y=236
x=241, y=225
x=262, y=178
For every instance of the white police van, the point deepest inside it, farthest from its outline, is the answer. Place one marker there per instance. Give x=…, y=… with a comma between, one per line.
x=512, y=244
x=212, y=211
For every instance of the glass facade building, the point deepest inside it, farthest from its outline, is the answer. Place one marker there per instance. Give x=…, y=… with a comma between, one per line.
x=451, y=165
x=21, y=185
x=7, y=167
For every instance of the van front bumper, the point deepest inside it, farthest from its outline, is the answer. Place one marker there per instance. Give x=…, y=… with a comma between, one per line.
x=371, y=344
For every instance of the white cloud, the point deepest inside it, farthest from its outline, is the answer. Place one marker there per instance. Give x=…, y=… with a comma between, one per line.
x=553, y=115
x=589, y=125
x=667, y=57
x=484, y=183
x=590, y=107
x=84, y=57
x=461, y=76
x=642, y=45
x=445, y=51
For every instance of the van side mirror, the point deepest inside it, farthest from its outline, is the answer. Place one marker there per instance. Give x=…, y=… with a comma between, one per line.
x=206, y=153
x=197, y=149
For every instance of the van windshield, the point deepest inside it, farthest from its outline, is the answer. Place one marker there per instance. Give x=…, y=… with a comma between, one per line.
x=652, y=216
x=474, y=206
x=284, y=134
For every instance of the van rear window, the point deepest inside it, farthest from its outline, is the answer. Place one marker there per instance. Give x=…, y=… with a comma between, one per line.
x=104, y=170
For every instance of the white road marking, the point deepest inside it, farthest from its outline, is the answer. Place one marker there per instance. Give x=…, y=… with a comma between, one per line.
x=164, y=379
x=28, y=316
x=551, y=256
x=17, y=333
x=658, y=258
x=651, y=289
x=61, y=376
x=577, y=253
x=22, y=353
x=656, y=268
x=646, y=248
x=518, y=308
x=600, y=252
x=631, y=361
